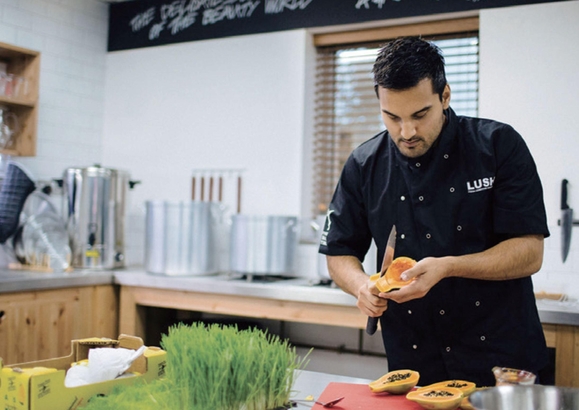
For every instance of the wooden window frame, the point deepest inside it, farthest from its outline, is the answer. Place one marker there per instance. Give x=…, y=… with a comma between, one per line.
x=430, y=28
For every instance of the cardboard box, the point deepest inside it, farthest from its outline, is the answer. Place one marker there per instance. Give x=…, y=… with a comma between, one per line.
x=40, y=385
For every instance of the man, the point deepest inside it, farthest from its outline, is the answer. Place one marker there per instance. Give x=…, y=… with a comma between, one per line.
x=467, y=203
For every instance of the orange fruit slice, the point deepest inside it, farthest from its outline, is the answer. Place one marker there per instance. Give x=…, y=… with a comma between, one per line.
x=391, y=279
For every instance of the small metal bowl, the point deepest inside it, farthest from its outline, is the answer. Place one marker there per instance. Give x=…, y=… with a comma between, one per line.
x=534, y=397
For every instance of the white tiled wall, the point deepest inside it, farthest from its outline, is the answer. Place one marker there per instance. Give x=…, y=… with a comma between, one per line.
x=72, y=38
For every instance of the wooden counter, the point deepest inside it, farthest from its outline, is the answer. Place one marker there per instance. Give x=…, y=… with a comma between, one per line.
x=134, y=299
x=40, y=324
x=565, y=340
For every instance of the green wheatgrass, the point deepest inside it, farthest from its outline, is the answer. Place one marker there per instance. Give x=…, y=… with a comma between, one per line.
x=214, y=367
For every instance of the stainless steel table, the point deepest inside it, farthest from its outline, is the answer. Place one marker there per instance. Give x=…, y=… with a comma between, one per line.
x=313, y=383
x=23, y=280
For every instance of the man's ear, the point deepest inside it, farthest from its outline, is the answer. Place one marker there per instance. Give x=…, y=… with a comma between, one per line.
x=446, y=97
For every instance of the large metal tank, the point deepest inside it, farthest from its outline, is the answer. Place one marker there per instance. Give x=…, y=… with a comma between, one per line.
x=95, y=202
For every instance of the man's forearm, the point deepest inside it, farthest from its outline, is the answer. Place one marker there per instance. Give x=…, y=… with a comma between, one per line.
x=347, y=272
x=513, y=258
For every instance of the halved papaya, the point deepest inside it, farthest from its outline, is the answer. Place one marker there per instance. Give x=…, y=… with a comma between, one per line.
x=395, y=382
x=442, y=398
x=391, y=279
x=464, y=386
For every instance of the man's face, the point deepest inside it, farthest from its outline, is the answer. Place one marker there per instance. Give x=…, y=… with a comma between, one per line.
x=413, y=117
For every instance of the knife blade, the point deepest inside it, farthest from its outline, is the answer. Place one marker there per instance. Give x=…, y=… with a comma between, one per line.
x=566, y=221
x=372, y=323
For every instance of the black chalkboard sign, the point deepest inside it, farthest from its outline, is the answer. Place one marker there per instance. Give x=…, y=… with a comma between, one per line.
x=146, y=23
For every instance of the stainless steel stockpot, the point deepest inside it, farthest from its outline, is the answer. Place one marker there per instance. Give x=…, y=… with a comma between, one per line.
x=184, y=237
x=264, y=245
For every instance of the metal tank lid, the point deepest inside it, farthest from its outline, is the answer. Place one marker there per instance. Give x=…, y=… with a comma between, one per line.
x=96, y=170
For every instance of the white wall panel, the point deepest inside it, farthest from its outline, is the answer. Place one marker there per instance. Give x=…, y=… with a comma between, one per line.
x=227, y=103
x=528, y=78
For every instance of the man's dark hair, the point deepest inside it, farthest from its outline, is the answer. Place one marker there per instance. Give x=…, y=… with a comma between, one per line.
x=402, y=63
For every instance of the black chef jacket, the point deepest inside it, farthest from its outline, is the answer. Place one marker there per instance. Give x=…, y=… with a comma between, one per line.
x=476, y=186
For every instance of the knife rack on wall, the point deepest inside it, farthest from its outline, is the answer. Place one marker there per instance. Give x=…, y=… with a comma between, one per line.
x=566, y=222
x=218, y=185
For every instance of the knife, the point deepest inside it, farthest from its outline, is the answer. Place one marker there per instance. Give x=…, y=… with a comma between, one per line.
x=372, y=323
x=566, y=221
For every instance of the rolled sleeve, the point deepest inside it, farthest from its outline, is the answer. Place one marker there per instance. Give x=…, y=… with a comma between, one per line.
x=347, y=231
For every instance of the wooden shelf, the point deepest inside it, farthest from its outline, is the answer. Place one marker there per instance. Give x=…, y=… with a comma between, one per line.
x=19, y=102
x=23, y=63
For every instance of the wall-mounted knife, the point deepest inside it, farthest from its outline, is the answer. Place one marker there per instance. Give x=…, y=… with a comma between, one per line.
x=566, y=221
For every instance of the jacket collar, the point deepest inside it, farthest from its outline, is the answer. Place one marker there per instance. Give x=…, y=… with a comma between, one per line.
x=441, y=146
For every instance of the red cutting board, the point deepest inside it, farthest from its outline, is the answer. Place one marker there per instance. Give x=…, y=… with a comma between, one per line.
x=359, y=396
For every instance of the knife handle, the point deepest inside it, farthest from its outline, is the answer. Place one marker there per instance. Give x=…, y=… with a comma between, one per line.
x=564, y=204
x=371, y=325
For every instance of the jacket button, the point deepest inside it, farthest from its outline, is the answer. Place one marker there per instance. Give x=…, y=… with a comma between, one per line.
x=482, y=338
x=402, y=198
x=409, y=312
x=402, y=236
x=428, y=236
x=451, y=189
x=421, y=198
x=477, y=303
x=414, y=347
x=448, y=349
x=459, y=228
x=441, y=312
x=445, y=156
x=418, y=165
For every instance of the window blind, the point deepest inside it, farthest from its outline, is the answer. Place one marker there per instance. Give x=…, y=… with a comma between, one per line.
x=347, y=112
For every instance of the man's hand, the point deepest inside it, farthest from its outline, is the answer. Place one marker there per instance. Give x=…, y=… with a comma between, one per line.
x=348, y=274
x=426, y=273
x=369, y=302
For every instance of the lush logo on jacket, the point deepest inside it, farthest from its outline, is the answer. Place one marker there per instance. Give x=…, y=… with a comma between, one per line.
x=326, y=229
x=480, y=184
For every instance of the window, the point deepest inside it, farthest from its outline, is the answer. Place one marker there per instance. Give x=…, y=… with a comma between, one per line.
x=347, y=111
